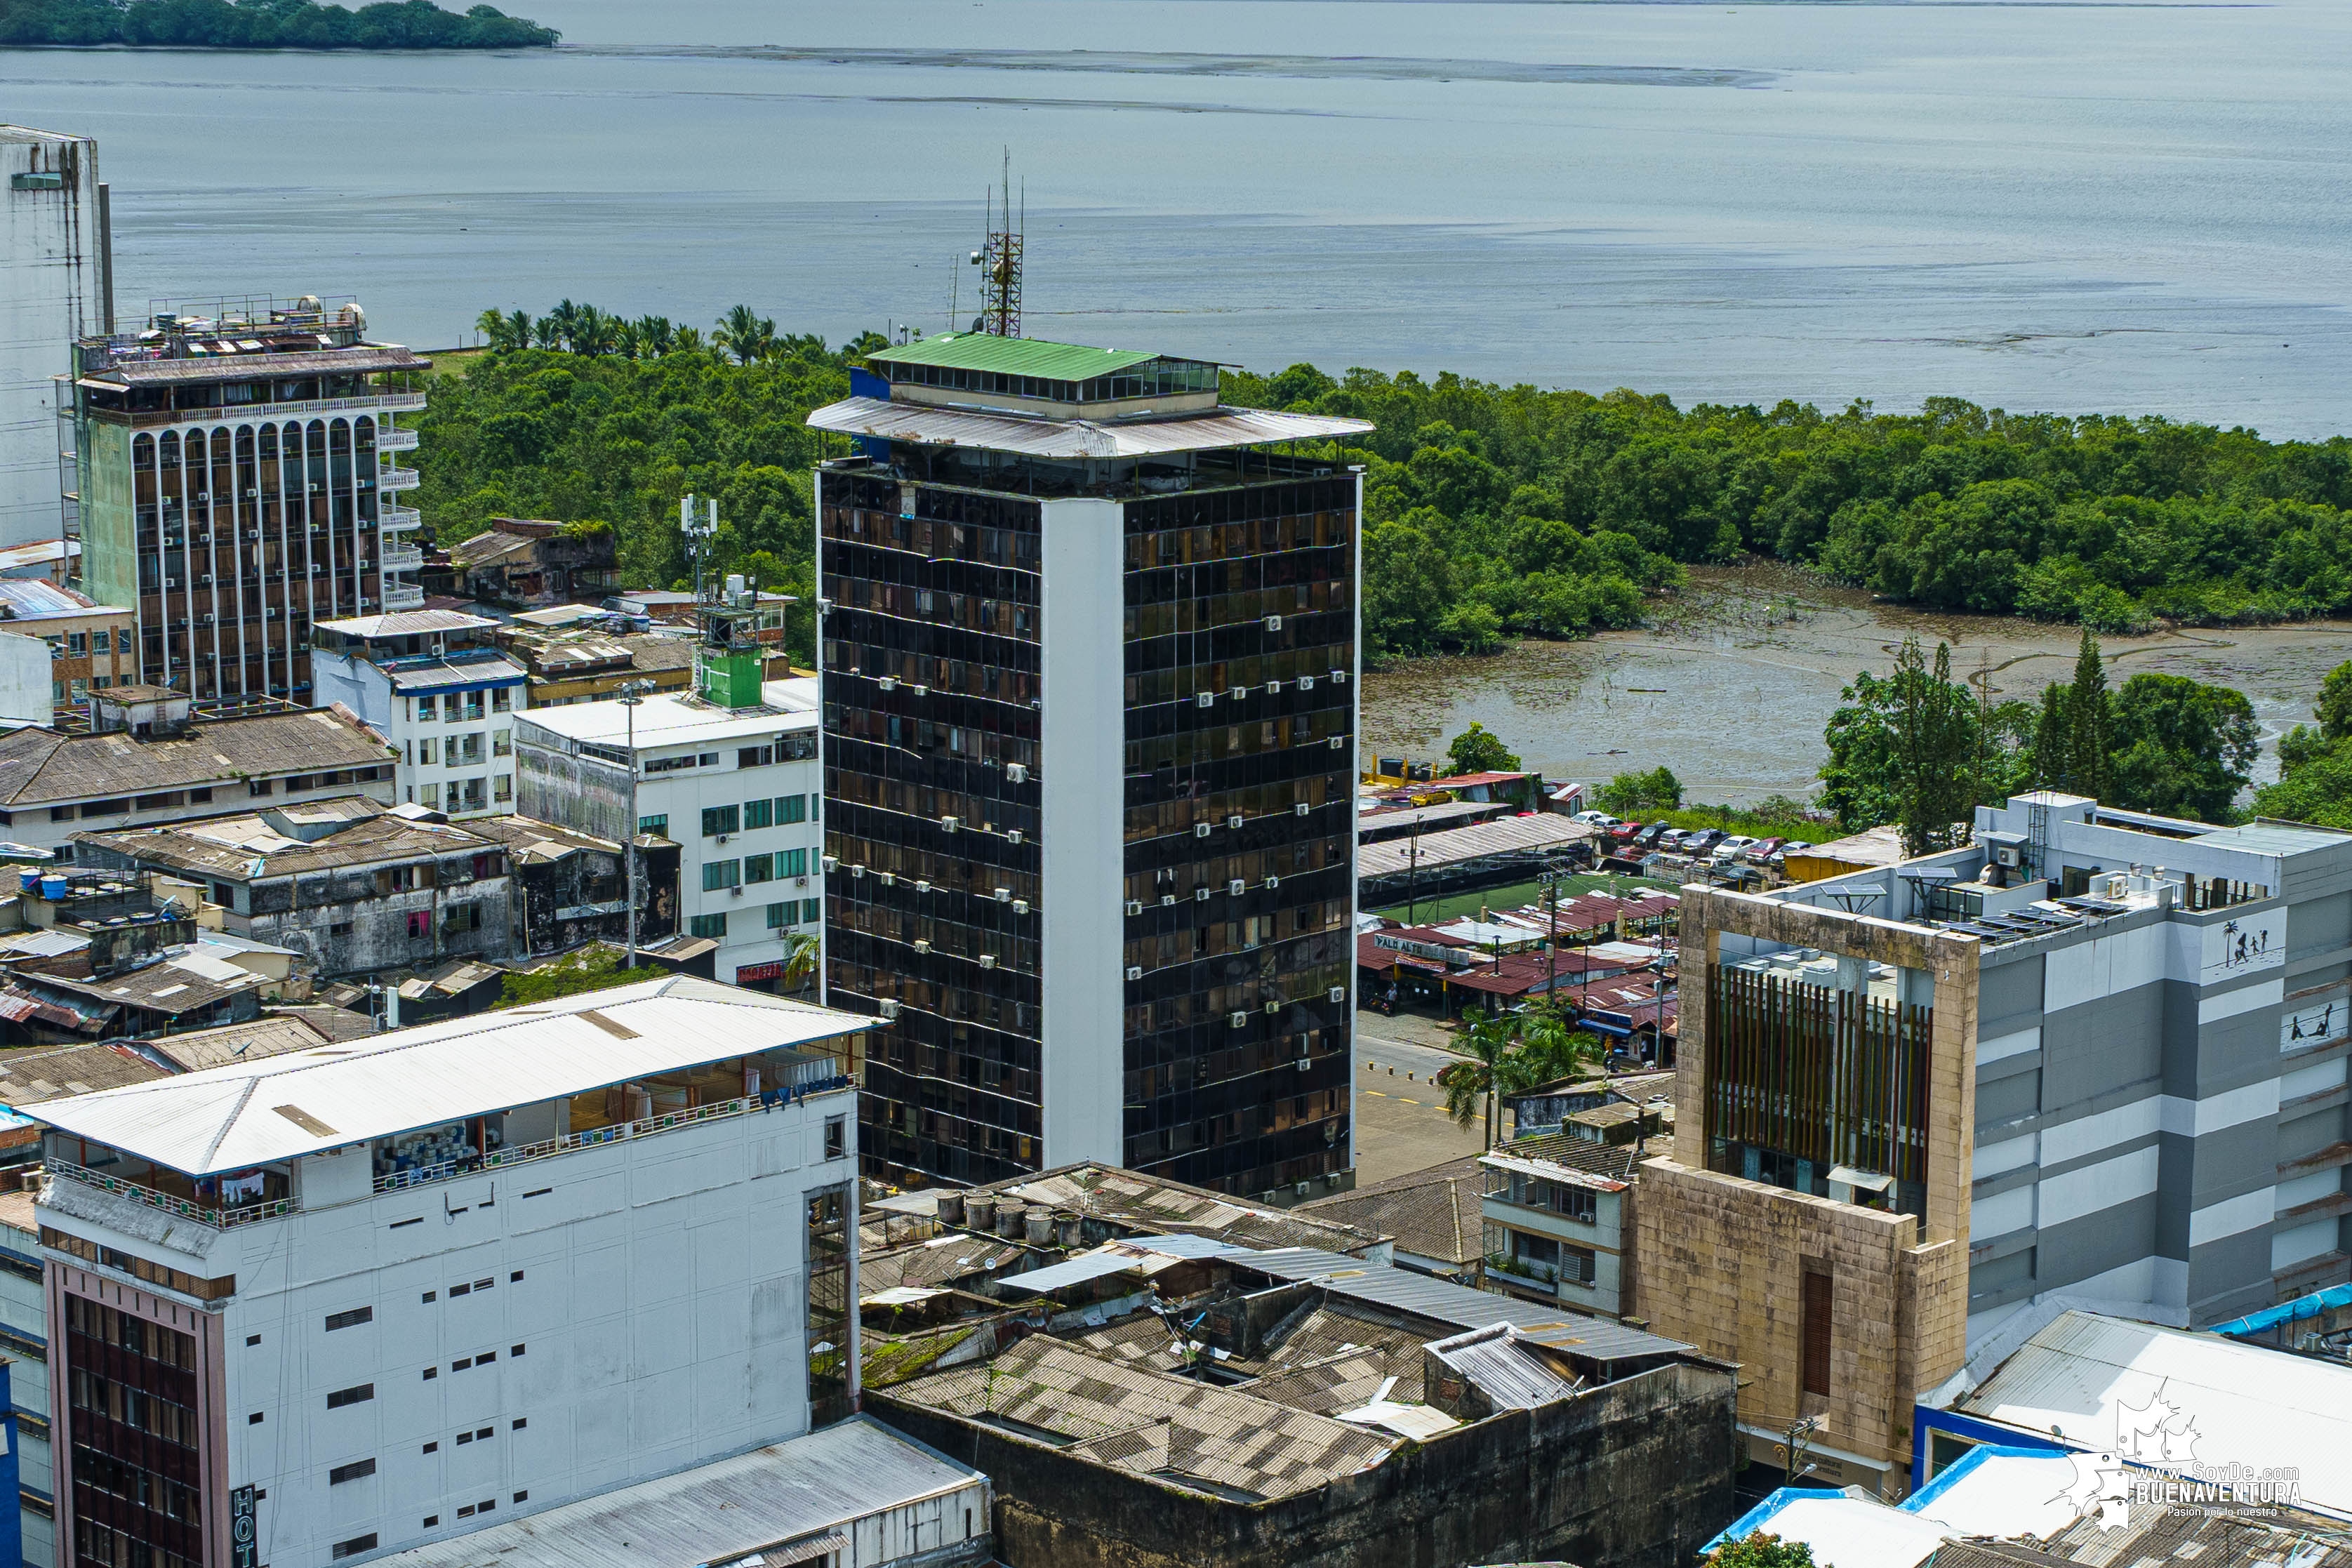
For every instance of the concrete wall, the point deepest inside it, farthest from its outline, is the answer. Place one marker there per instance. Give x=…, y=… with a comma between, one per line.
x=25, y=678
x=645, y=1312
x=54, y=254
x=1079, y=772
x=1635, y=1474
x=23, y=1313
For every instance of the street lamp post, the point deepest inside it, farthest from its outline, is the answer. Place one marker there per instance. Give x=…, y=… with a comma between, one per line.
x=632, y=694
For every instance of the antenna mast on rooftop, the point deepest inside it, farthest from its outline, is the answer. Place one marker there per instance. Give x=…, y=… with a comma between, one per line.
x=1001, y=289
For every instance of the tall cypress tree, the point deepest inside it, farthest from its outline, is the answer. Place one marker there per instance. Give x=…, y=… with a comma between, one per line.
x=1935, y=746
x=2086, y=722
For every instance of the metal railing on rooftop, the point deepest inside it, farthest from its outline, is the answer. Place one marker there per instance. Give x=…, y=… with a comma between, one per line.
x=221, y=1218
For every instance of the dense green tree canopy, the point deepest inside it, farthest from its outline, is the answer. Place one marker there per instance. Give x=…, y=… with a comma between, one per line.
x=1479, y=750
x=266, y=25
x=2179, y=747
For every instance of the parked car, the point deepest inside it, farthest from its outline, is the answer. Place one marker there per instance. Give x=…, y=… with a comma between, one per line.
x=1652, y=836
x=1765, y=848
x=1735, y=848
x=1703, y=841
x=1668, y=842
x=1594, y=819
x=1624, y=830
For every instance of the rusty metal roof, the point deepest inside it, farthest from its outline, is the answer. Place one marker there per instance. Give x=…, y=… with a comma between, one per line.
x=1140, y=437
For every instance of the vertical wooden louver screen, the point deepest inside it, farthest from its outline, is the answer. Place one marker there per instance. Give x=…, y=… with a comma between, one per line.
x=1823, y=1074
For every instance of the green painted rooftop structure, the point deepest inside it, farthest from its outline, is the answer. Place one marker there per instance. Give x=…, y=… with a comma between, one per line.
x=1033, y=375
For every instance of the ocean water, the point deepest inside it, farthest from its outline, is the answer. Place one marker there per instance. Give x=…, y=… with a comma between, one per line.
x=2113, y=207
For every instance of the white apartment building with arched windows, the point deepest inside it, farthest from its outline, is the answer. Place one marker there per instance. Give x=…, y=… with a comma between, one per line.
x=235, y=481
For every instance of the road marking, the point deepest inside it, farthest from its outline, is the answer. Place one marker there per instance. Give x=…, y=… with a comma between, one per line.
x=1403, y=1101
x=1376, y=1094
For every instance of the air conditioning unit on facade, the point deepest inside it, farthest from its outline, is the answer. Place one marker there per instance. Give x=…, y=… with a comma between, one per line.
x=1167, y=900
x=1004, y=895
x=1200, y=830
x=1020, y=905
x=1338, y=994
x=890, y=878
x=1013, y=835
x=800, y=881
x=1134, y=972
x=1200, y=895
x=988, y=960
x=1233, y=821
x=890, y=1008
x=1237, y=887
x=1302, y=808
x=888, y=683
x=1272, y=1007
x=859, y=870
x=1273, y=882
x=922, y=887
x=1135, y=906
x=950, y=823
x=1015, y=774
x=1339, y=742
x=1274, y=689
x=1339, y=678
x=830, y=865
x=1273, y=623
x=1238, y=1020
x=1207, y=700
x=922, y=946
x=1240, y=692
x=922, y=690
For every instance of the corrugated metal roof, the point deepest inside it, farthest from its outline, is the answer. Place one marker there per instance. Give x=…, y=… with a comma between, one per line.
x=1405, y=1291
x=1394, y=857
x=232, y=1118
x=1504, y=1371
x=248, y=367
x=1070, y=1271
x=405, y=623
x=805, y=1489
x=1012, y=356
x=2091, y=1380
x=1076, y=437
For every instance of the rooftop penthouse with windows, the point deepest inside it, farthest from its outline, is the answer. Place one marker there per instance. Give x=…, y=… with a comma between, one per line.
x=2093, y=1055
x=369, y=1296
x=1088, y=641
x=236, y=477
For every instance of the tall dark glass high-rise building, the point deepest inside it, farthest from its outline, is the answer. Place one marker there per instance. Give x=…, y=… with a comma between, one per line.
x=1089, y=644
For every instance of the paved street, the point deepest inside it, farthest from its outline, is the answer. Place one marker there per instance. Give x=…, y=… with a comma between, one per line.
x=1400, y=1122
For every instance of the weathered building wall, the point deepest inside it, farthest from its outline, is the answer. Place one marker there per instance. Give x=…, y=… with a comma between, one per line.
x=1635, y=1475
x=1724, y=1260
x=583, y=896
x=55, y=254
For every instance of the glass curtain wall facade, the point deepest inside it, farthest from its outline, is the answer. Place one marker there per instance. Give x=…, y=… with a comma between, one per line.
x=1235, y=882
x=1240, y=647
x=932, y=668
x=245, y=535
x=131, y=1404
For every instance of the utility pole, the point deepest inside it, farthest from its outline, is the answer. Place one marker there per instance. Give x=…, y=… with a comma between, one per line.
x=1413, y=868
x=698, y=534
x=632, y=694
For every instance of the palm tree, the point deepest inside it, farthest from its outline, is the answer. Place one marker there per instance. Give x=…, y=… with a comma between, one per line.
x=547, y=332
x=1470, y=1084
x=800, y=961
x=566, y=317
x=498, y=331
x=626, y=341
x=743, y=333
x=592, y=332
x=655, y=336
x=686, y=340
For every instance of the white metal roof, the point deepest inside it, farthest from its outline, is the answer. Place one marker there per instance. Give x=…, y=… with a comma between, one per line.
x=231, y=1118
x=406, y=623
x=670, y=718
x=1076, y=437
x=2094, y=1381
x=791, y=1494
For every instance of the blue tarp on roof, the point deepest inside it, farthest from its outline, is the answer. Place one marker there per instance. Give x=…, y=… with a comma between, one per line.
x=2309, y=1306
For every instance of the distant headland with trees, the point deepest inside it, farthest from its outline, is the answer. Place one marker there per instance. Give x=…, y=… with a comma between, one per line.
x=263, y=24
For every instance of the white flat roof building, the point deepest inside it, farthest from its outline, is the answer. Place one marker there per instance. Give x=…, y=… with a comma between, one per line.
x=739, y=789
x=369, y=1296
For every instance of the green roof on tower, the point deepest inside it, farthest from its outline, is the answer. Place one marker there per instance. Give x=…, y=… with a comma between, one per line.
x=1012, y=356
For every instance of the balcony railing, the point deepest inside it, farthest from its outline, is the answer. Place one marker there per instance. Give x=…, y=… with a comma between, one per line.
x=403, y=596
x=375, y=402
x=395, y=518
x=220, y=1219
x=548, y=1148
x=404, y=558
x=388, y=480
x=395, y=438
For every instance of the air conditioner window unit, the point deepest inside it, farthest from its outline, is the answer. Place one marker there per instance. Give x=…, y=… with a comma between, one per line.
x=1135, y=906
x=1207, y=699
x=1238, y=1020
x=1236, y=887
x=1200, y=895
x=1233, y=821
x=1338, y=994
x=829, y=863
x=890, y=1008
x=1013, y=835
x=1200, y=830
x=1273, y=623
x=800, y=881
x=1305, y=683
x=1167, y=900
x=1134, y=972
x=1272, y=882
x=1272, y=1007
x=1339, y=678
x=1016, y=774
x=1301, y=808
